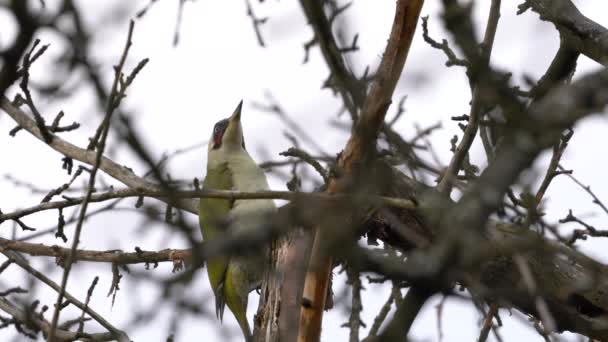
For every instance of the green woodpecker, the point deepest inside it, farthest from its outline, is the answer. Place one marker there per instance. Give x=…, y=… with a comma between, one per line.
x=229, y=167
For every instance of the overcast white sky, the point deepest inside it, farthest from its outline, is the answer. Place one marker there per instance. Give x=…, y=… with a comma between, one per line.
x=183, y=91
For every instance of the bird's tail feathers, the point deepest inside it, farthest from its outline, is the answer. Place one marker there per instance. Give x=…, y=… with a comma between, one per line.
x=220, y=302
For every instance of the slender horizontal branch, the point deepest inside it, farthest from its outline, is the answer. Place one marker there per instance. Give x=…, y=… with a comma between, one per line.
x=227, y=194
x=110, y=256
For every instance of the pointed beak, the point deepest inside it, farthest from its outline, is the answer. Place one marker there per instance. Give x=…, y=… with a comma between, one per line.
x=236, y=115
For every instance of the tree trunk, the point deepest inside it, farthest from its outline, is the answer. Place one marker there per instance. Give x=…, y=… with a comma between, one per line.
x=279, y=309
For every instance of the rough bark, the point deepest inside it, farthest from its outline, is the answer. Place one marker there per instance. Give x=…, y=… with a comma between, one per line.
x=574, y=286
x=579, y=32
x=353, y=164
x=278, y=312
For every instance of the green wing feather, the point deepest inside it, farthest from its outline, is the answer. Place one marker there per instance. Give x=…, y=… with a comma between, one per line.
x=212, y=219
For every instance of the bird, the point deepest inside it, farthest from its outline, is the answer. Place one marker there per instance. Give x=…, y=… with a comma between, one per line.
x=230, y=167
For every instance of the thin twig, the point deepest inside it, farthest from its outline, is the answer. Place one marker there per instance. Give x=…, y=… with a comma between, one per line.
x=587, y=189
x=86, y=304
x=301, y=154
x=446, y=183
x=439, y=308
x=117, y=94
x=344, y=82
x=178, y=22
x=550, y=174
x=582, y=234
x=24, y=85
x=257, y=22
x=382, y=314
x=443, y=46
x=354, y=321
x=487, y=323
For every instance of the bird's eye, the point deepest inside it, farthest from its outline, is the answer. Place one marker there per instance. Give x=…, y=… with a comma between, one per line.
x=216, y=129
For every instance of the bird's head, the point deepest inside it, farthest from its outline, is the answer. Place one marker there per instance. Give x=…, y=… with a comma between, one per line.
x=228, y=133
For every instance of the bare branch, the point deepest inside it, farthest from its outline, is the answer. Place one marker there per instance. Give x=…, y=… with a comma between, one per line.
x=227, y=194
x=38, y=323
x=394, y=296
x=359, y=149
x=349, y=87
x=295, y=152
x=257, y=22
x=110, y=256
x=117, y=334
x=587, y=189
x=582, y=234
x=24, y=85
x=488, y=323
x=10, y=57
x=577, y=31
x=445, y=186
x=443, y=46
x=406, y=313
x=354, y=321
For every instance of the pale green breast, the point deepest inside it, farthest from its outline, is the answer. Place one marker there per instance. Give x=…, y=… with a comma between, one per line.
x=248, y=176
x=213, y=214
x=214, y=211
